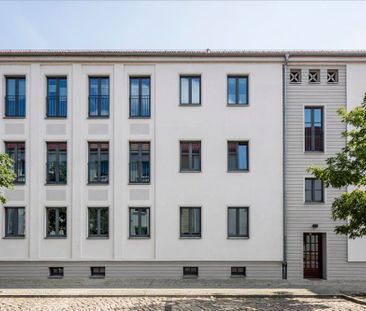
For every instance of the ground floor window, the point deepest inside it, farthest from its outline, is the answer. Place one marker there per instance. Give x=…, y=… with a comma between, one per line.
x=56, y=222
x=14, y=221
x=139, y=222
x=238, y=222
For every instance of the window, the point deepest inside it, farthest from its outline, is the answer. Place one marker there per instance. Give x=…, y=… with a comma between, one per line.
x=97, y=272
x=98, y=97
x=332, y=76
x=98, y=221
x=237, y=90
x=139, y=97
x=190, y=271
x=56, y=272
x=314, y=190
x=139, y=162
x=139, y=222
x=313, y=128
x=56, y=163
x=190, y=90
x=56, y=222
x=314, y=76
x=238, y=156
x=238, y=271
x=238, y=222
x=15, y=97
x=14, y=221
x=190, y=222
x=16, y=151
x=190, y=156
x=98, y=163
x=295, y=76
x=56, y=97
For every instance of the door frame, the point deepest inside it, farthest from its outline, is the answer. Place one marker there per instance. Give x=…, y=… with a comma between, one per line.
x=321, y=254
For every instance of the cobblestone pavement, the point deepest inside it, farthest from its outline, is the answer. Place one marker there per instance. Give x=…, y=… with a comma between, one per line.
x=177, y=304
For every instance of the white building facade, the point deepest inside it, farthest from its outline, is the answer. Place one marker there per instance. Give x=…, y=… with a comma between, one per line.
x=171, y=164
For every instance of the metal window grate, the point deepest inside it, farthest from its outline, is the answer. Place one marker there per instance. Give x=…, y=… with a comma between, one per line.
x=190, y=271
x=238, y=271
x=332, y=76
x=314, y=76
x=97, y=271
x=295, y=76
x=56, y=271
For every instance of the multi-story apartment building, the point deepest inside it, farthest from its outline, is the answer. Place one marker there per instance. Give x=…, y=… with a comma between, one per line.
x=171, y=164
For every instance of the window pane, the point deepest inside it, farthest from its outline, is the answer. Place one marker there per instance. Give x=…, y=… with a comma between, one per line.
x=243, y=224
x=51, y=224
x=318, y=196
x=243, y=91
x=21, y=221
x=104, y=86
x=232, y=222
x=21, y=87
x=145, y=231
x=308, y=189
x=93, y=162
x=62, y=87
x=196, y=162
x=184, y=90
x=93, y=228
x=62, y=222
x=184, y=221
x=185, y=162
x=104, y=221
x=243, y=159
x=196, y=221
x=134, y=84
x=196, y=90
x=231, y=91
x=51, y=87
x=145, y=87
x=10, y=87
x=10, y=221
x=93, y=86
x=134, y=222
x=104, y=165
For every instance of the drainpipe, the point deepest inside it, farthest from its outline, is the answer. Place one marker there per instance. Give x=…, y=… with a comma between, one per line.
x=284, y=151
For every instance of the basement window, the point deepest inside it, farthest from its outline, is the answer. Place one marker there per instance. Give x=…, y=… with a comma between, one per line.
x=332, y=76
x=190, y=271
x=238, y=271
x=56, y=272
x=314, y=76
x=295, y=76
x=97, y=272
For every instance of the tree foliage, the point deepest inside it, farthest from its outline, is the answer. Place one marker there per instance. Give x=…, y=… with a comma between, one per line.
x=7, y=175
x=347, y=168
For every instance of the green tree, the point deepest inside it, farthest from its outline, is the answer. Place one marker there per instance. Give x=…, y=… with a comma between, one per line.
x=348, y=169
x=7, y=175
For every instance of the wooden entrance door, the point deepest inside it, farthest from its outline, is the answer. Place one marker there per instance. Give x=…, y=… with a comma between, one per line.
x=313, y=256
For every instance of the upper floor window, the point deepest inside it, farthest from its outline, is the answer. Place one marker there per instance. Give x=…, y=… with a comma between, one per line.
x=56, y=163
x=140, y=97
x=98, y=221
x=190, y=90
x=56, y=222
x=190, y=156
x=16, y=151
x=313, y=128
x=190, y=222
x=238, y=156
x=314, y=190
x=238, y=222
x=15, y=97
x=14, y=221
x=98, y=97
x=139, y=162
x=237, y=90
x=98, y=163
x=295, y=76
x=314, y=76
x=332, y=75
x=139, y=222
x=56, y=97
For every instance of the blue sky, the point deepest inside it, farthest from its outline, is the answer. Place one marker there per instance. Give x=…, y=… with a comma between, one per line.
x=182, y=25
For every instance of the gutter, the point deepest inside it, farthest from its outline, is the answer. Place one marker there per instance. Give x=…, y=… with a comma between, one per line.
x=284, y=157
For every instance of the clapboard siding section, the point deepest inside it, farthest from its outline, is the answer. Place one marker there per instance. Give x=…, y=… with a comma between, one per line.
x=301, y=217
x=143, y=269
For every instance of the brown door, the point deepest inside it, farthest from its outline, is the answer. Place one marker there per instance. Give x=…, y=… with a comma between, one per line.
x=313, y=259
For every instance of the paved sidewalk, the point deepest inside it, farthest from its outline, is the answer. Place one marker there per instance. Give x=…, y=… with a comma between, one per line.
x=180, y=287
